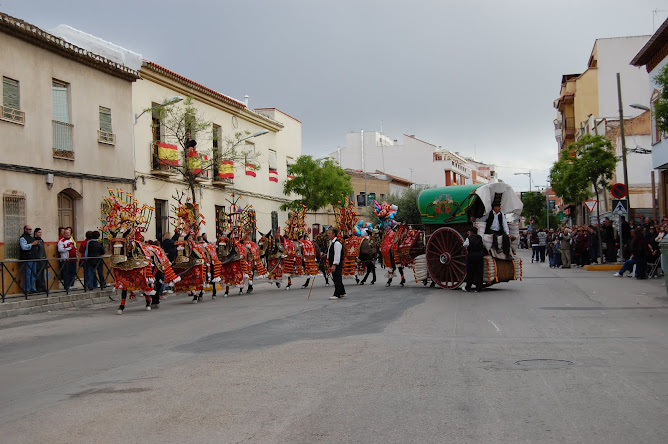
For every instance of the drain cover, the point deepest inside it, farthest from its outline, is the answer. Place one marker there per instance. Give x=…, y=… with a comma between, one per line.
x=543, y=363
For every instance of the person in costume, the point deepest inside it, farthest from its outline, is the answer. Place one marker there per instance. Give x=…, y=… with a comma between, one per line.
x=474, y=268
x=497, y=225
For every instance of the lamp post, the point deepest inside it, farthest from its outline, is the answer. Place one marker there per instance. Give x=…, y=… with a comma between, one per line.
x=526, y=174
x=621, y=131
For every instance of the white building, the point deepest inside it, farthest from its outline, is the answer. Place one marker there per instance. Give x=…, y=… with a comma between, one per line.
x=421, y=162
x=654, y=57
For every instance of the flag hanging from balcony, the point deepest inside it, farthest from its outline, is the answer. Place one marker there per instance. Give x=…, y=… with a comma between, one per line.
x=194, y=161
x=290, y=177
x=273, y=176
x=226, y=169
x=168, y=154
x=250, y=170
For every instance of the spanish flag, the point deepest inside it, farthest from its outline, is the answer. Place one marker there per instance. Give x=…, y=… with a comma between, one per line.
x=226, y=169
x=168, y=154
x=194, y=161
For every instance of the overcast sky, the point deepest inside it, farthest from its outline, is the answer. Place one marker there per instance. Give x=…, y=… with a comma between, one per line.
x=464, y=75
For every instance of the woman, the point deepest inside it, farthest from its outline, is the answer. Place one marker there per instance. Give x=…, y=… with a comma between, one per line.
x=40, y=281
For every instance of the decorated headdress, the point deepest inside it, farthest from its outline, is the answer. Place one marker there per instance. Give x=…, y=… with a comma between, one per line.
x=296, y=225
x=239, y=220
x=346, y=217
x=123, y=216
x=188, y=218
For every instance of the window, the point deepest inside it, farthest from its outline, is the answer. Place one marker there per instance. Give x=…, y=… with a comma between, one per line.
x=156, y=123
x=289, y=161
x=62, y=128
x=161, y=219
x=15, y=220
x=656, y=135
x=105, y=134
x=273, y=166
x=216, y=137
x=11, y=102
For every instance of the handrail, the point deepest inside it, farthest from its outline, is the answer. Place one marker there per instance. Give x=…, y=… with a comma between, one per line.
x=11, y=278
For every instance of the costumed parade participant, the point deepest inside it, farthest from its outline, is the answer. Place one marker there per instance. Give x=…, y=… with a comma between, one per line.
x=132, y=260
x=497, y=225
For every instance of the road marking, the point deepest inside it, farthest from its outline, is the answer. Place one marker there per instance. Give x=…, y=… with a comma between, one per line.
x=497, y=328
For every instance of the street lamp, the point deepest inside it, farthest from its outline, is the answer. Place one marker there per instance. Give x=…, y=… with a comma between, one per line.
x=526, y=174
x=170, y=101
x=639, y=106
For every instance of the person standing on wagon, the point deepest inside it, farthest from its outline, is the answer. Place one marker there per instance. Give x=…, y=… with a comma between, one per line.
x=497, y=225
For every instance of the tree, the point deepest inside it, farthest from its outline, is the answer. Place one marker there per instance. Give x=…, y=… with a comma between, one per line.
x=319, y=182
x=567, y=182
x=182, y=124
x=534, y=205
x=661, y=106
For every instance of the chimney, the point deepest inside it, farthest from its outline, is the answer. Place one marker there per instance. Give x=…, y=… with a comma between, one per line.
x=246, y=100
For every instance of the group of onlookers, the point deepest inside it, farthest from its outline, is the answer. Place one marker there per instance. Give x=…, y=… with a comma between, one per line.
x=33, y=251
x=577, y=246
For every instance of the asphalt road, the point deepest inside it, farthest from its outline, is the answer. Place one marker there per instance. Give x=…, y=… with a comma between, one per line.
x=563, y=356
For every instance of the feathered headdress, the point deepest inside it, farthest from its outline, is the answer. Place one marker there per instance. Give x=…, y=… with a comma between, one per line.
x=122, y=213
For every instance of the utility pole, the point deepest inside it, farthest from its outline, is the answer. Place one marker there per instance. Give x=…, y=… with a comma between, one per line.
x=621, y=130
x=364, y=169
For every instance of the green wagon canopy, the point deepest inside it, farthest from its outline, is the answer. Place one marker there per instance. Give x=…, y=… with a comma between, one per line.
x=452, y=205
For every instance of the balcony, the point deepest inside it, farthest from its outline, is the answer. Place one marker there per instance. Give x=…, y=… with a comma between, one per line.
x=222, y=183
x=569, y=126
x=62, y=140
x=165, y=166
x=13, y=115
x=106, y=137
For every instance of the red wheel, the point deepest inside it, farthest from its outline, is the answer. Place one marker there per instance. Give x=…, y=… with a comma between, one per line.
x=446, y=258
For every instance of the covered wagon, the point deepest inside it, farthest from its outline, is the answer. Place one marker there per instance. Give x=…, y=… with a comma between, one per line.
x=447, y=213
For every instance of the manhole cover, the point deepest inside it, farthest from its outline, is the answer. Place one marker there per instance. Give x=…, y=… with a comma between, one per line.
x=543, y=363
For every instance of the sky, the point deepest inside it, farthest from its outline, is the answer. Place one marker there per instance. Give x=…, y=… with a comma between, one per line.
x=473, y=76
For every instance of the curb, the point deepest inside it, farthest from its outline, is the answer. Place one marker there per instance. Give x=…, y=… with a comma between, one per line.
x=603, y=267
x=52, y=303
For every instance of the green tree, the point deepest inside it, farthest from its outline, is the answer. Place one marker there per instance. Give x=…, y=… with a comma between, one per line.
x=319, y=182
x=661, y=106
x=534, y=205
x=181, y=124
x=567, y=183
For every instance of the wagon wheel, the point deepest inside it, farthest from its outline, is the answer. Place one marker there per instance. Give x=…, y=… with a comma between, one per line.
x=446, y=258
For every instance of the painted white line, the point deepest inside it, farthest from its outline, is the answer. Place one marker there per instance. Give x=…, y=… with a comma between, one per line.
x=497, y=328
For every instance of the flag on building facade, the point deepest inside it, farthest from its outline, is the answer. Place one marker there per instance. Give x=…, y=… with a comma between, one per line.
x=168, y=154
x=226, y=169
x=273, y=176
x=194, y=161
x=250, y=170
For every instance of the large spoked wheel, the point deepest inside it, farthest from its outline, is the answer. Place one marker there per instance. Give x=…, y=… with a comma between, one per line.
x=446, y=258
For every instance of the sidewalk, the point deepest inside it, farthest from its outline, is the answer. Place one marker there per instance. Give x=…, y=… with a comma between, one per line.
x=56, y=301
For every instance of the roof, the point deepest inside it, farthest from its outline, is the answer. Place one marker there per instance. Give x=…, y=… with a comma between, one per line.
x=395, y=178
x=38, y=37
x=198, y=86
x=654, y=45
x=207, y=91
x=419, y=140
x=280, y=111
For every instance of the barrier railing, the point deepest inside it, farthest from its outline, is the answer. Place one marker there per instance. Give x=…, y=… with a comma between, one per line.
x=49, y=276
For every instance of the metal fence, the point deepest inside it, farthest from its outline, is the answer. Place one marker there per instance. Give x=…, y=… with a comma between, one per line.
x=49, y=275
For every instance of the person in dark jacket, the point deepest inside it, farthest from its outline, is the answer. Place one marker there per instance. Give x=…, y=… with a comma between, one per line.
x=476, y=251
x=170, y=247
x=40, y=280
x=608, y=238
x=639, y=250
x=28, y=252
x=95, y=249
x=592, y=245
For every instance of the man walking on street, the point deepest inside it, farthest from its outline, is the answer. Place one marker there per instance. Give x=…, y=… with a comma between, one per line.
x=335, y=256
x=566, y=249
x=29, y=250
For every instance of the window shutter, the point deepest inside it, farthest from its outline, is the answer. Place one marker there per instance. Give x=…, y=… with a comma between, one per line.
x=10, y=93
x=273, y=160
x=105, y=120
x=61, y=111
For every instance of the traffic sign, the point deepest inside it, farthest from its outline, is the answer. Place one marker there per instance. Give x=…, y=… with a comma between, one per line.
x=620, y=206
x=591, y=204
x=619, y=191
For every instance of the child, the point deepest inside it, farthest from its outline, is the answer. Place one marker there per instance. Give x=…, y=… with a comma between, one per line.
x=550, y=253
x=557, y=253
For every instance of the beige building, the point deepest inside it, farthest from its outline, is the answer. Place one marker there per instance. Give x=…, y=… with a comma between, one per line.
x=65, y=132
x=278, y=147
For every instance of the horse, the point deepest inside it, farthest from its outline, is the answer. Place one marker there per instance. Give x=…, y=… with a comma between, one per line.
x=320, y=243
x=235, y=264
x=273, y=248
x=398, y=249
x=197, y=264
x=137, y=266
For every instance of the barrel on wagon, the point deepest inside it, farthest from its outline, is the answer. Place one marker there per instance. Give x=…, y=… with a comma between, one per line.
x=447, y=213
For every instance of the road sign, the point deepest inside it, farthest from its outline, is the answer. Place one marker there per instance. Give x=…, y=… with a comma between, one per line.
x=591, y=204
x=620, y=206
x=553, y=204
x=619, y=191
